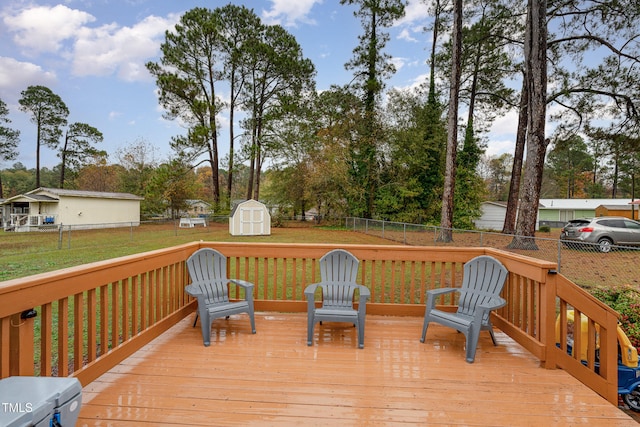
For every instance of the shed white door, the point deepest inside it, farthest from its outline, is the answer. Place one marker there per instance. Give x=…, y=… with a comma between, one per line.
x=251, y=221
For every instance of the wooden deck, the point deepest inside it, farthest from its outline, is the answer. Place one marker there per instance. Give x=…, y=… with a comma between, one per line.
x=274, y=378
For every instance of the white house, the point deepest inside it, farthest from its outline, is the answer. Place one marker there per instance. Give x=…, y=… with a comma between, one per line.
x=250, y=218
x=551, y=212
x=48, y=208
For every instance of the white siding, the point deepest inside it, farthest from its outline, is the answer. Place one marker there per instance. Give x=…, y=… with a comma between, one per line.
x=492, y=217
x=250, y=218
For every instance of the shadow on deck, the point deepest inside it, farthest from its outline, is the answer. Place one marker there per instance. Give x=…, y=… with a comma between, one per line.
x=274, y=378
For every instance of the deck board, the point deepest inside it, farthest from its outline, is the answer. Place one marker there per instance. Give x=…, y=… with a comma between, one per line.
x=274, y=378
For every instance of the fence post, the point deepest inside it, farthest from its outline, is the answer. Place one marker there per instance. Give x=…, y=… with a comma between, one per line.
x=383, y=221
x=60, y=236
x=404, y=233
x=559, y=255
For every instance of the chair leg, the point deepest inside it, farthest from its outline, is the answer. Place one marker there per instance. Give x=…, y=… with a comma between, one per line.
x=472, y=343
x=253, y=322
x=360, y=334
x=310, y=325
x=205, y=325
x=424, y=330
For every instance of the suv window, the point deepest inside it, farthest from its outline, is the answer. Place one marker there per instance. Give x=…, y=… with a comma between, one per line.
x=577, y=223
x=617, y=223
x=632, y=225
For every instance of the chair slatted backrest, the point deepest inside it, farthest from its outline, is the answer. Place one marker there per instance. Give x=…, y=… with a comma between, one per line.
x=208, y=270
x=483, y=279
x=338, y=271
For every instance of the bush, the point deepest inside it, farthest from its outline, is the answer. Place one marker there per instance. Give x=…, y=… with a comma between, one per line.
x=626, y=301
x=544, y=229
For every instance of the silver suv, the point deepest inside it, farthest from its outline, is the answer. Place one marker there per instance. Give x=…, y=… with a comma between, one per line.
x=602, y=231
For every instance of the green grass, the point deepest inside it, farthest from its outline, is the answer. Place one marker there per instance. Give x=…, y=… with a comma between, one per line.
x=24, y=254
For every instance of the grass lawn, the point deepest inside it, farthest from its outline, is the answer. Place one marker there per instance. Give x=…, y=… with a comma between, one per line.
x=24, y=254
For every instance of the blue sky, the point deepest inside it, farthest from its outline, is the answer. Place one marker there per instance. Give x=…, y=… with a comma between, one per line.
x=92, y=53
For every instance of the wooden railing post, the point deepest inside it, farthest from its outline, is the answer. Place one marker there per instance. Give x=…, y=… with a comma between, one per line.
x=548, y=319
x=21, y=343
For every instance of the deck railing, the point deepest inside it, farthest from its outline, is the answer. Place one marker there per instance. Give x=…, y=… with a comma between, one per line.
x=83, y=320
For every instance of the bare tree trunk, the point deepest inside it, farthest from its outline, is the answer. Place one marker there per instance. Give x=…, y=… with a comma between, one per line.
x=63, y=158
x=511, y=214
x=446, y=218
x=536, y=79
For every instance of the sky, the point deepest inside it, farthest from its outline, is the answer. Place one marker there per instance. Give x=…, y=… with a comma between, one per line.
x=92, y=54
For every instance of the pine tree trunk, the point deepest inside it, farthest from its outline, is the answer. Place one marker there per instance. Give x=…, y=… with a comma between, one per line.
x=446, y=219
x=536, y=80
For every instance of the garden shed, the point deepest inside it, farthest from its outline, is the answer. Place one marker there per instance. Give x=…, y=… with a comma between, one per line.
x=628, y=211
x=250, y=218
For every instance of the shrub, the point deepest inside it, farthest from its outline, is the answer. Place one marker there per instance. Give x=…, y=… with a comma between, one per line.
x=626, y=301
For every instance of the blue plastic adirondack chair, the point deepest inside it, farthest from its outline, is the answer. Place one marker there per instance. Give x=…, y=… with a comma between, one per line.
x=338, y=271
x=482, y=282
x=210, y=286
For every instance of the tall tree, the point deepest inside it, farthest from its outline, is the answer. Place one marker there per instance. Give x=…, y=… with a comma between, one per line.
x=594, y=85
x=49, y=113
x=371, y=66
x=9, y=139
x=78, y=147
x=446, y=216
x=187, y=75
x=278, y=75
x=242, y=28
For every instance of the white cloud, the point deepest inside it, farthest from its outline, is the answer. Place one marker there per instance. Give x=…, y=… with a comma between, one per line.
x=289, y=13
x=111, y=49
x=100, y=51
x=414, y=11
x=15, y=74
x=505, y=125
x=498, y=146
x=44, y=29
x=398, y=62
x=405, y=34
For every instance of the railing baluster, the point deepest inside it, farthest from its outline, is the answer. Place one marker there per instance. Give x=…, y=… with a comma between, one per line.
x=63, y=332
x=46, y=344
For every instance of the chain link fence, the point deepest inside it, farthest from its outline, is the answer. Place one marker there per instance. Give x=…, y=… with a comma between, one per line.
x=583, y=263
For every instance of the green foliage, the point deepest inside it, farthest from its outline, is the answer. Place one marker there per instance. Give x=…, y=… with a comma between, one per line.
x=626, y=301
x=544, y=229
x=49, y=113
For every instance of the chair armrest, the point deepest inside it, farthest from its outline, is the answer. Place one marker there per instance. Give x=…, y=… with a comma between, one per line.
x=433, y=293
x=243, y=283
x=193, y=290
x=365, y=294
x=310, y=290
x=493, y=304
x=442, y=291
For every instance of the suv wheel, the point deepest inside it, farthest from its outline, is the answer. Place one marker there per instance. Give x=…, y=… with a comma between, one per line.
x=604, y=245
